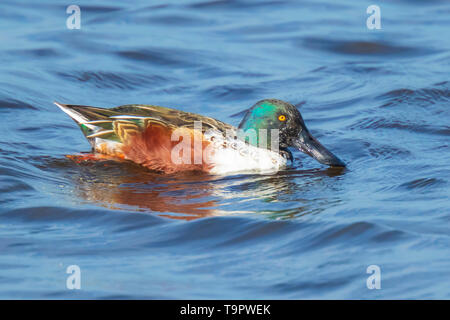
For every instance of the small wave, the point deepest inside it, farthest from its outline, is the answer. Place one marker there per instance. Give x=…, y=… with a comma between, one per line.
x=111, y=80
x=14, y=185
x=15, y=104
x=36, y=53
x=388, y=152
x=174, y=20
x=423, y=183
x=421, y=97
x=379, y=122
x=100, y=9
x=44, y=215
x=160, y=57
x=356, y=233
x=365, y=48
x=231, y=92
x=235, y=4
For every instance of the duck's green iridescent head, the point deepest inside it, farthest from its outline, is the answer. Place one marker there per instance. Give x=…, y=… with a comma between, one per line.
x=276, y=114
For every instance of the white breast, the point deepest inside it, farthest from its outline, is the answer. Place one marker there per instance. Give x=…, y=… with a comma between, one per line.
x=236, y=156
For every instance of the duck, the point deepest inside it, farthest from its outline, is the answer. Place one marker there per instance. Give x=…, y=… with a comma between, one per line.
x=168, y=140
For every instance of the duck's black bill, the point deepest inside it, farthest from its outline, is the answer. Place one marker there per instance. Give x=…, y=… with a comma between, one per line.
x=309, y=145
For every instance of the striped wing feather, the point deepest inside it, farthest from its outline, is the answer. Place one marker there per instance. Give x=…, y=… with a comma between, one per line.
x=118, y=123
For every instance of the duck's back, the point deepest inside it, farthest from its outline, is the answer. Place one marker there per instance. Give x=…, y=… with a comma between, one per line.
x=145, y=133
x=149, y=135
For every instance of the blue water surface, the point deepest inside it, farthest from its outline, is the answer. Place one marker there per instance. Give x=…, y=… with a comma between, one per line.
x=377, y=98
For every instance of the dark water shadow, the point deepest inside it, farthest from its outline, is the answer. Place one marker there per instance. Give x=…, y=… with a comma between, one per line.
x=364, y=48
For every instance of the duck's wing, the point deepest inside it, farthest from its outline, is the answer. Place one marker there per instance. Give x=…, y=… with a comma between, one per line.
x=117, y=123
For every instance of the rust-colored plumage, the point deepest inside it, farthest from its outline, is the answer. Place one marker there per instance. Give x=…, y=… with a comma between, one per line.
x=152, y=148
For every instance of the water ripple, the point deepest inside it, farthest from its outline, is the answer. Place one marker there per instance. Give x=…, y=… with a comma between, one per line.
x=119, y=80
x=364, y=48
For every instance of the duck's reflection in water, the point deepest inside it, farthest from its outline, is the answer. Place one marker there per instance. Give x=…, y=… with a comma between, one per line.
x=193, y=195
x=127, y=186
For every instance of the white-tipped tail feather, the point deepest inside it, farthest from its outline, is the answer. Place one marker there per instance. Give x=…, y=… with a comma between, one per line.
x=79, y=118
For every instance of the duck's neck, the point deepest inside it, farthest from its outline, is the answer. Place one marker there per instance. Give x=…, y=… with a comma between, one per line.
x=261, y=138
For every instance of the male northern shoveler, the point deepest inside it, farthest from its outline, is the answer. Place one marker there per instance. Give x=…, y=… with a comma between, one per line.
x=150, y=136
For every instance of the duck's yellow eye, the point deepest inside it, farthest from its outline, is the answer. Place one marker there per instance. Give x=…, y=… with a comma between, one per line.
x=282, y=118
